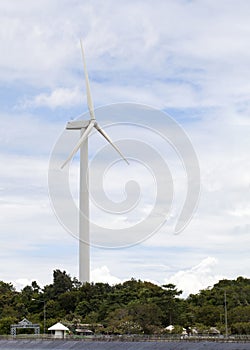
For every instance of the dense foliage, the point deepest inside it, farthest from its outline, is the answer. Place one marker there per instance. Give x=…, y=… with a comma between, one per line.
x=131, y=307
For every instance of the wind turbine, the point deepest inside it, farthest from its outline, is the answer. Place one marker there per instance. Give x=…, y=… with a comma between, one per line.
x=85, y=127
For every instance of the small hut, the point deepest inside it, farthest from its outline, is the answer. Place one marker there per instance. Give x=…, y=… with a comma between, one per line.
x=170, y=328
x=58, y=330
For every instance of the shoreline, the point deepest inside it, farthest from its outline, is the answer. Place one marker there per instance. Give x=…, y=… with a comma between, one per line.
x=89, y=344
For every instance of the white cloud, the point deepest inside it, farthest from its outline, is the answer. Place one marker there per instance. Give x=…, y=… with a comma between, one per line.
x=20, y=283
x=102, y=274
x=196, y=278
x=60, y=97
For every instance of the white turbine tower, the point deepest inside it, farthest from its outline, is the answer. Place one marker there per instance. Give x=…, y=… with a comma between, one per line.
x=85, y=126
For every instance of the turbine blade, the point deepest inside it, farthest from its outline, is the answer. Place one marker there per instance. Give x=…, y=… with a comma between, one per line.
x=110, y=141
x=89, y=99
x=78, y=145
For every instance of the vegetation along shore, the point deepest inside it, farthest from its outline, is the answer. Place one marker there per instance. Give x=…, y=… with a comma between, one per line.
x=131, y=308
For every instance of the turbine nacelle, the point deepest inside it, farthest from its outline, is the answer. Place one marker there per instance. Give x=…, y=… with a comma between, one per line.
x=77, y=124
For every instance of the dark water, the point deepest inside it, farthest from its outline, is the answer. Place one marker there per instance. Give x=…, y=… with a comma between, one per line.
x=95, y=345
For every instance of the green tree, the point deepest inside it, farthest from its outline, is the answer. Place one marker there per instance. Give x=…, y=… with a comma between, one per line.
x=5, y=323
x=147, y=316
x=62, y=282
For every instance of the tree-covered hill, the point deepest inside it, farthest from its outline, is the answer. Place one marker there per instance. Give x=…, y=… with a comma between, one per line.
x=130, y=307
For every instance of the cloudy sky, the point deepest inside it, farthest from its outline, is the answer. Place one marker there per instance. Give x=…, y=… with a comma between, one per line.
x=189, y=59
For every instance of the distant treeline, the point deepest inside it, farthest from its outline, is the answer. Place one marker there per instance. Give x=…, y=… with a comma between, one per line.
x=132, y=307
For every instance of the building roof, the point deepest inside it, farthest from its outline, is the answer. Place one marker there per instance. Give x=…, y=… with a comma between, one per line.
x=58, y=327
x=80, y=330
